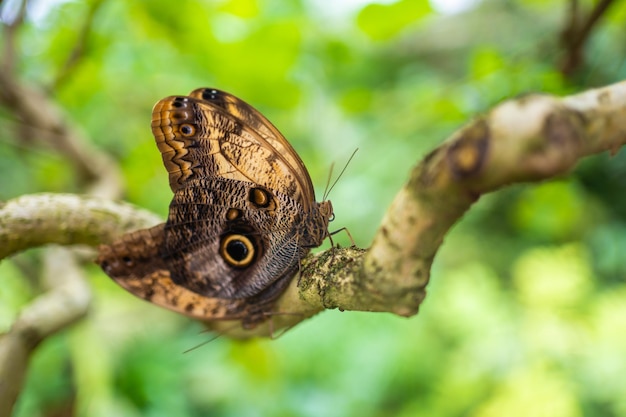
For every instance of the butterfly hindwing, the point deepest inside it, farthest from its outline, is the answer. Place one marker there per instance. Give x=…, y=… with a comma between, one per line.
x=133, y=261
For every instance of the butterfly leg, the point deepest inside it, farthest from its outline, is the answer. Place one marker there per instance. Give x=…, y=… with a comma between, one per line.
x=274, y=332
x=343, y=229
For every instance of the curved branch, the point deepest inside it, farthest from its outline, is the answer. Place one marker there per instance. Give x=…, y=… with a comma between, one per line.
x=531, y=138
x=40, y=219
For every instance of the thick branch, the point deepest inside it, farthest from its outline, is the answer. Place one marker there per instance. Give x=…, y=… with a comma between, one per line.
x=64, y=219
x=528, y=139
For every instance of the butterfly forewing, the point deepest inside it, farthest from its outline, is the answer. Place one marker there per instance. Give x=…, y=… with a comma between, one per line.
x=199, y=139
x=251, y=117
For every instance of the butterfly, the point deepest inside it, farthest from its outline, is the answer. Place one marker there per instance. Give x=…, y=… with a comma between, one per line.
x=242, y=217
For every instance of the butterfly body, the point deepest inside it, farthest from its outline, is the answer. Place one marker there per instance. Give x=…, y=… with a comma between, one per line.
x=242, y=217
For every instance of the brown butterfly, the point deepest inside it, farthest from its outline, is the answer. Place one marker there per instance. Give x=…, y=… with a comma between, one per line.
x=243, y=214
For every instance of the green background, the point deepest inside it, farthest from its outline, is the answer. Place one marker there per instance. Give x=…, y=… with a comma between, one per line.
x=526, y=311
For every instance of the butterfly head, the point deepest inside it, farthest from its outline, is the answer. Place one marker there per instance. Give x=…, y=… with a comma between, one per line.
x=316, y=224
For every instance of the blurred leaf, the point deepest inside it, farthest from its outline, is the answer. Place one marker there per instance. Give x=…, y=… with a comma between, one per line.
x=384, y=21
x=486, y=61
x=356, y=100
x=553, y=278
x=537, y=391
x=14, y=294
x=241, y=8
x=553, y=210
x=607, y=244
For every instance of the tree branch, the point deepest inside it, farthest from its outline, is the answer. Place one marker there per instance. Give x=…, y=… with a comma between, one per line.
x=576, y=33
x=35, y=220
x=39, y=219
x=528, y=139
x=79, y=48
x=66, y=299
x=39, y=114
x=10, y=30
x=531, y=138
x=66, y=302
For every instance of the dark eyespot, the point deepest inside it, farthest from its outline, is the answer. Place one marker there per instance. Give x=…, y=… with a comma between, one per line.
x=187, y=129
x=177, y=103
x=127, y=260
x=237, y=250
x=209, y=94
x=260, y=197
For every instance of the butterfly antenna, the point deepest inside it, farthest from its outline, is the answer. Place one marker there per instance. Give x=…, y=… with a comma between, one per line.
x=218, y=335
x=329, y=189
x=203, y=343
x=330, y=175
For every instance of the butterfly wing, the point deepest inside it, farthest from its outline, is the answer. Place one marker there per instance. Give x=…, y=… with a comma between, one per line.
x=214, y=134
x=241, y=194
x=242, y=216
x=251, y=117
x=133, y=261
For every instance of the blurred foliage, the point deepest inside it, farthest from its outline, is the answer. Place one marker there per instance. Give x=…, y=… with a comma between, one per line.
x=526, y=312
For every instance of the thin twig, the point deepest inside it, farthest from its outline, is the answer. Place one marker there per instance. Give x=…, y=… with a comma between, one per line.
x=36, y=109
x=79, y=48
x=577, y=32
x=10, y=29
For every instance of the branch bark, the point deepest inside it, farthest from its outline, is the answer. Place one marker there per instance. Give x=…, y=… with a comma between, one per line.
x=531, y=138
x=66, y=219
